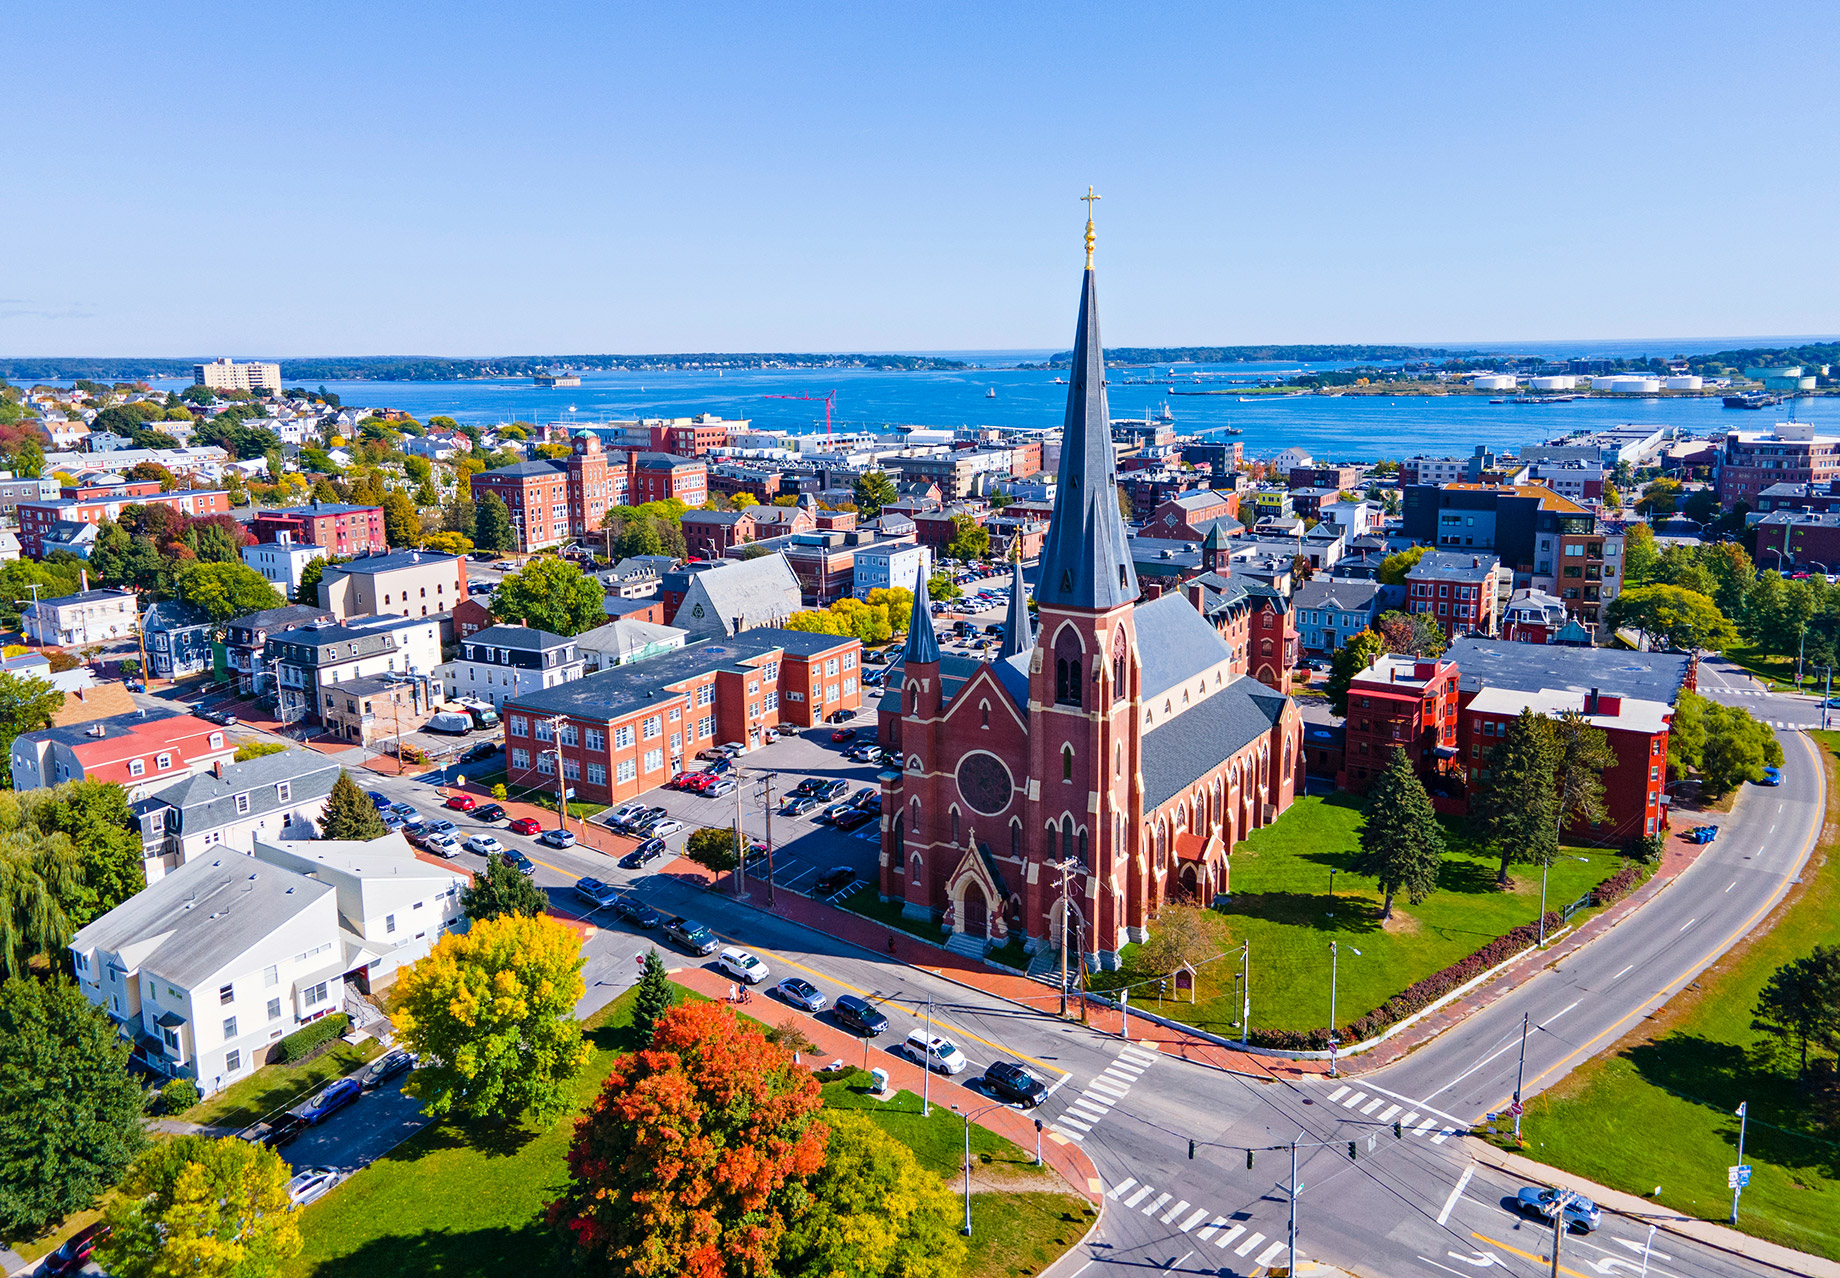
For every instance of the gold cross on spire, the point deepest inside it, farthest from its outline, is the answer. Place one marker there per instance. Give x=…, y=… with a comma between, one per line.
x=1089, y=197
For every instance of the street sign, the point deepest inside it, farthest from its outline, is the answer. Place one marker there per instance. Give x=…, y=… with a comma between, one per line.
x=1737, y=1177
x=1515, y=1109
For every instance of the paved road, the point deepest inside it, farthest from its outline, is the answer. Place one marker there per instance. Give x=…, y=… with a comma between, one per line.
x=1731, y=685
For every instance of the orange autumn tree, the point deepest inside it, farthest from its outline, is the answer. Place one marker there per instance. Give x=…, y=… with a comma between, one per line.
x=695, y=1154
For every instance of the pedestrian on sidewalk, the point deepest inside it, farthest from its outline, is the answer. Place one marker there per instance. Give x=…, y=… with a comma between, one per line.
x=734, y=995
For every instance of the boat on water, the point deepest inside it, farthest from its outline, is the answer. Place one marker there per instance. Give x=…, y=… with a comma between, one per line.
x=1752, y=400
x=1231, y=430
x=1535, y=399
x=990, y=393
x=1060, y=381
x=1164, y=416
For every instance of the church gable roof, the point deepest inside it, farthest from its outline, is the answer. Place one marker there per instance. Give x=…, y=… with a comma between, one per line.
x=1175, y=642
x=1178, y=751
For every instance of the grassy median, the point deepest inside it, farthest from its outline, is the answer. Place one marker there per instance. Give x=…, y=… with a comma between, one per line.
x=1659, y=1109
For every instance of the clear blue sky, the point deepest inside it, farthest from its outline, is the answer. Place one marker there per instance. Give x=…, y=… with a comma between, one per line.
x=510, y=178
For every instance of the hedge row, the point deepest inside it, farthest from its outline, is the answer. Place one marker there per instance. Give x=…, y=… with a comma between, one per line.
x=302, y=1041
x=1617, y=886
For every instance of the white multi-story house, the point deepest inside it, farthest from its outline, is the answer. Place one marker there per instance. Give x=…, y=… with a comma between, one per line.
x=893, y=564
x=501, y=663
x=89, y=616
x=315, y=656
x=230, y=806
x=281, y=561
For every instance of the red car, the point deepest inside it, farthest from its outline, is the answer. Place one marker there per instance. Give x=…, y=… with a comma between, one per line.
x=76, y=1251
x=525, y=825
x=843, y=734
x=461, y=802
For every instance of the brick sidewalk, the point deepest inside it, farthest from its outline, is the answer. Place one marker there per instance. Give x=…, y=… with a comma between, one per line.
x=1061, y=1154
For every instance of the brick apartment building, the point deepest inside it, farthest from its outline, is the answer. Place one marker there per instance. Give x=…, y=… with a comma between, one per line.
x=340, y=530
x=1749, y=461
x=1340, y=478
x=709, y=534
x=552, y=501
x=1460, y=590
x=37, y=518
x=666, y=476
x=1405, y=702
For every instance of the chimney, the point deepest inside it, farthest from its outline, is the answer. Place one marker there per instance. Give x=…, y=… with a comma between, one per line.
x=1590, y=701
x=83, y=577
x=1475, y=562
x=1196, y=596
x=217, y=769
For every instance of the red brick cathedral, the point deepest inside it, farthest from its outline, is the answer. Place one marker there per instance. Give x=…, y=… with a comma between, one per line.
x=1124, y=737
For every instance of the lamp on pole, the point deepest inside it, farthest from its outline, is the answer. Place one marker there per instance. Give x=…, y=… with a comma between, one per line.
x=968, y=1115
x=1334, y=959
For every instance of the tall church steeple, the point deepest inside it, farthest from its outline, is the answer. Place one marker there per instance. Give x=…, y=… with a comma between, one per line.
x=922, y=644
x=1087, y=560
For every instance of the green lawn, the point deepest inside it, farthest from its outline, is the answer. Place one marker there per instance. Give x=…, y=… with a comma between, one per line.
x=868, y=902
x=1775, y=670
x=1281, y=904
x=456, y=1199
x=275, y=1087
x=1659, y=1111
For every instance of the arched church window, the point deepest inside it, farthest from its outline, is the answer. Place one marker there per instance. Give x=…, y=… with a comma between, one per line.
x=900, y=842
x=1264, y=647
x=1015, y=839
x=954, y=827
x=1118, y=656
x=1066, y=763
x=1067, y=668
x=1082, y=847
x=985, y=707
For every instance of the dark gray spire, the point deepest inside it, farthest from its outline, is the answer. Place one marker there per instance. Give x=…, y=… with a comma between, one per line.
x=1018, y=630
x=922, y=643
x=1087, y=560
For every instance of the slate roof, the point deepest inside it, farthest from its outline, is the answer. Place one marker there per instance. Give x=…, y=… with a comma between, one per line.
x=171, y=615
x=1529, y=667
x=1174, y=641
x=206, y=801
x=755, y=590
x=202, y=915
x=1453, y=565
x=954, y=671
x=525, y=469
x=386, y=563
x=1180, y=749
x=1343, y=596
x=517, y=638
x=115, y=727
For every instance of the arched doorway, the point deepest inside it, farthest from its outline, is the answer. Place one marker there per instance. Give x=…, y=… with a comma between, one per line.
x=976, y=917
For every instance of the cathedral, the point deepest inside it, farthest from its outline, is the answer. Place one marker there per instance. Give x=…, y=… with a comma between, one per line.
x=1117, y=745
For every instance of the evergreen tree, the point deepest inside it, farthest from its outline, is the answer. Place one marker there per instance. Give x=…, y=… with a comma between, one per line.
x=1354, y=656
x=873, y=490
x=460, y=516
x=1581, y=755
x=349, y=813
x=1402, y=845
x=502, y=889
x=1515, y=806
x=1801, y=1002
x=653, y=996
x=493, y=520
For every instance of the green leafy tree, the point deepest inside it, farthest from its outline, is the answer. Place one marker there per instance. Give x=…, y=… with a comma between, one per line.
x=1800, y=1004
x=1639, y=554
x=491, y=1014
x=940, y=587
x=1723, y=744
x=308, y=591
x=652, y=997
x=1394, y=567
x=26, y=705
x=493, y=521
x=426, y=494
x=873, y=490
x=258, y=749
x=349, y=813
x=461, y=516
x=402, y=523
x=194, y=1207
x=1581, y=756
x=96, y=818
x=39, y=875
x=1402, y=844
x=551, y=594
x=1702, y=506
x=70, y=1112
x=502, y=889
x=970, y=539
x=1412, y=634
x=1672, y=617
x=1514, y=807
x=712, y=848
x=1354, y=656
x=224, y=590
x=1660, y=498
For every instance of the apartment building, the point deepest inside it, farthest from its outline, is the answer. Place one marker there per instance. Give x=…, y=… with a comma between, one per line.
x=310, y=660
x=501, y=663
x=409, y=583
x=37, y=518
x=15, y=490
x=141, y=751
x=335, y=529
x=228, y=806
x=246, y=643
x=1406, y=703
x=282, y=561
x=223, y=374
x=87, y=617
x=1749, y=461
x=666, y=477
x=888, y=565
x=1461, y=590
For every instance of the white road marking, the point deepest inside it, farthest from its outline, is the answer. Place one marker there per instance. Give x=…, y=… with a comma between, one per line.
x=1339, y=1092
x=1104, y=1084
x=1229, y=1236
x=1354, y=1100
x=1730, y=886
x=1068, y=1132
x=1249, y=1244
x=1373, y=1104
x=1199, y=1216
x=1172, y=1264
x=1104, y=1100
x=1120, y=1075
x=1137, y=1056
x=1209, y=1229
x=1561, y=1012
x=1619, y=974
x=1409, y=1119
x=1266, y=1255
x=1160, y=1200
x=1068, y=1120
x=1386, y=1115
x=1689, y=923
x=1175, y=1211
x=1139, y=1196
x=1121, y=1187
x=1424, y=1127
x=1456, y=1193
x=1086, y=1110
x=1444, y=1134
x=1424, y=1105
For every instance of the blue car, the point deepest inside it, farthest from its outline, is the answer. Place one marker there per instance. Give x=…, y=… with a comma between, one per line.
x=1771, y=776
x=379, y=799
x=330, y=1099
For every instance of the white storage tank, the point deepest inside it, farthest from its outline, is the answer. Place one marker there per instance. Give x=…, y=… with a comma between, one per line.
x=1495, y=381
x=1565, y=381
x=1627, y=384
x=1684, y=382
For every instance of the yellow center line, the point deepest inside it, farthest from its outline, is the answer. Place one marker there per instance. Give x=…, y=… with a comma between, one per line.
x=1527, y=1255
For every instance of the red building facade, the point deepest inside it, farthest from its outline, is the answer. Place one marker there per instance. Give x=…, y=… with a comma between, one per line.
x=37, y=517
x=342, y=530
x=1404, y=703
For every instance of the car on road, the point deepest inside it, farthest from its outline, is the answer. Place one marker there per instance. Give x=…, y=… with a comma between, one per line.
x=636, y=912
x=859, y=1014
x=522, y=863
x=276, y=1132
x=833, y=881
x=739, y=963
x=556, y=838
x=386, y=1067
x=601, y=894
x=643, y=855
x=328, y=1101
x=802, y=994
x=461, y=802
x=525, y=825
x=219, y=717
x=1008, y=1081
x=441, y=826
x=843, y=734
x=76, y=1251
x=1771, y=776
x=484, y=844
x=1833, y=703
x=407, y=812
x=443, y=845
x=379, y=800
x=934, y=1052
x=693, y=936
x=488, y=812
x=311, y=1184
x=1581, y=1214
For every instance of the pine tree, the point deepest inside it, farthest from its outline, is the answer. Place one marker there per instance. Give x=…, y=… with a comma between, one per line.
x=1581, y=755
x=652, y=998
x=502, y=889
x=1515, y=806
x=350, y=813
x=493, y=520
x=1402, y=845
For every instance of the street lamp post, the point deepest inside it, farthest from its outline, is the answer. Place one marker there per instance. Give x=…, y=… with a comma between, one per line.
x=1334, y=961
x=968, y=1115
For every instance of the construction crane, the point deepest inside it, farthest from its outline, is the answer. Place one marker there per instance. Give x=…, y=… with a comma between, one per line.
x=830, y=400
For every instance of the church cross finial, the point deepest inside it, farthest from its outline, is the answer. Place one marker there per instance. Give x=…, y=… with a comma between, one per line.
x=1089, y=197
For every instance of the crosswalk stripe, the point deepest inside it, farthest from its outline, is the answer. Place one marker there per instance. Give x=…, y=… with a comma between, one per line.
x=1199, y=1216
x=1354, y=1100
x=1249, y=1244
x=1229, y=1236
x=1160, y=1200
x=1424, y=1127
x=1086, y=1109
x=1102, y=1099
x=1266, y=1255
x=1125, y=1070
x=1373, y=1104
x=1067, y=1132
x=1104, y=1084
x=1070, y=1121
x=1339, y=1092
x=1207, y=1231
x=1386, y=1115
x=1139, y=1196
x=1443, y=1135
x=1121, y=1187
x=1409, y=1119
x=1136, y=1057
x=1175, y=1211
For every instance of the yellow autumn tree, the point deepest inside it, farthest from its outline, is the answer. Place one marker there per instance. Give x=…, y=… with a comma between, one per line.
x=491, y=1014
x=193, y=1207
x=872, y=1210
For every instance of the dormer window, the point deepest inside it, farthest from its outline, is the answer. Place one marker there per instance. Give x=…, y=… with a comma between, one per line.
x=163, y=762
x=137, y=767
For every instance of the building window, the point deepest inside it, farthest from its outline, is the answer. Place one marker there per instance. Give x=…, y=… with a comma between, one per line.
x=217, y=740
x=651, y=727
x=274, y=1009
x=226, y=993
x=597, y=774
x=271, y=976
x=242, y=804
x=136, y=767
x=519, y=726
x=568, y=734
x=654, y=760
x=163, y=761
x=233, y=1061
x=623, y=737
x=314, y=995
x=229, y=1027
x=545, y=731
x=284, y=791
x=597, y=740
x=626, y=770
x=520, y=758
x=1066, y=763
x=546, y=764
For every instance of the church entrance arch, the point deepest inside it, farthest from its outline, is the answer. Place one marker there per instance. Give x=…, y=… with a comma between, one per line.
x=976, y=914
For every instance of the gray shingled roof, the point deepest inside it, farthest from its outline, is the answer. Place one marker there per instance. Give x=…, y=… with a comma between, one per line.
x=1174, y=641
x=206, y=801
x=519, y=638
x=1453, y=565
x=1344, y=596
x=755, y=590
x=1178, y=751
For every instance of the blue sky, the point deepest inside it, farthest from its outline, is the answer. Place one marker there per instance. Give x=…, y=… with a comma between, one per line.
x=477, y=179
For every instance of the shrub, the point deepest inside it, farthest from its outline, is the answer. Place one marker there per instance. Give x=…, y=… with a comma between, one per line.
x=1617, y=886
x=178, y=1096
x=499, y=792
x=1646, y=848
x=303, y=1041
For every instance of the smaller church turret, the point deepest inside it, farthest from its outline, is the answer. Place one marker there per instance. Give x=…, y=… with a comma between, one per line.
x=1018, y=630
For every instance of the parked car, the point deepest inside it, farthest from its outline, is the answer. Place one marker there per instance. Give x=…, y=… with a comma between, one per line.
x=833, y=880
x=833, y=789
x=461, y=802
x=1581, y=1214
x=730, y=749
x=524, y=864
x=802, y=994
x=663, y=826
x=524, y=825
x=414, y=832
x=799, y=805
x=934, y=1052
x=557, y=838
x=484, y=844
x=839, y=716
x=441, y=826
x=311, y=1184
x=593, y=890
x=625, y=811
x=407, y=812
x=386, y=1067
x=843, y=734
x=443, y=845
x=449, y=723
x=694, y=937
x=859, y=1014
x=643, y=855
x=488, y=812
x=379, y=800
x=809, y=786
x=481, y=752
x=392, y=822
x=739, y=963
x=75, y=1251
x=717, y=788
x=830, y=814
x=328, y=1101
x=635, y=911
x=276, y=1132
x=1008, y=1081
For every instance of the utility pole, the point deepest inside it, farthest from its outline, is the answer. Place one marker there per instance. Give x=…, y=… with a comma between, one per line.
x=767, y=812
x=1560, y=1203
x=1520, y=1074
x=1124, y=1010
x=562, y=789
x=926, y=1072
x=1292, y=1196
x=1066, y=869
x=740, y=844
x=1245, y=1014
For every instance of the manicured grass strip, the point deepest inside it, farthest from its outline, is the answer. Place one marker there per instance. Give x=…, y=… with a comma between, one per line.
x=1022, y=1233
x=275, y=1087
x=867, y=902
x=938, y=1140
x=1281, y=904
x=1659, y=1111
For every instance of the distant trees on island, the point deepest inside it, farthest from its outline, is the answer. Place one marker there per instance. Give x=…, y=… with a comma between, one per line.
x=399, y=368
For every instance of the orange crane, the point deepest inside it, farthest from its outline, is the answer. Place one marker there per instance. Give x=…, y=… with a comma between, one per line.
x=830, y=400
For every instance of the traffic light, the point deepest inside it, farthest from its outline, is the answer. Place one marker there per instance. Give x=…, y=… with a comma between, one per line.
x=1249, y=1160
x=1398, y=1132
x=1191, y=1149
x=1351, y=1153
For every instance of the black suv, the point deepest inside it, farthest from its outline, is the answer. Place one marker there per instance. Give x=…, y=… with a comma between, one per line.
x=1008, y=1081
x=859, y=1014
x=692, y=936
